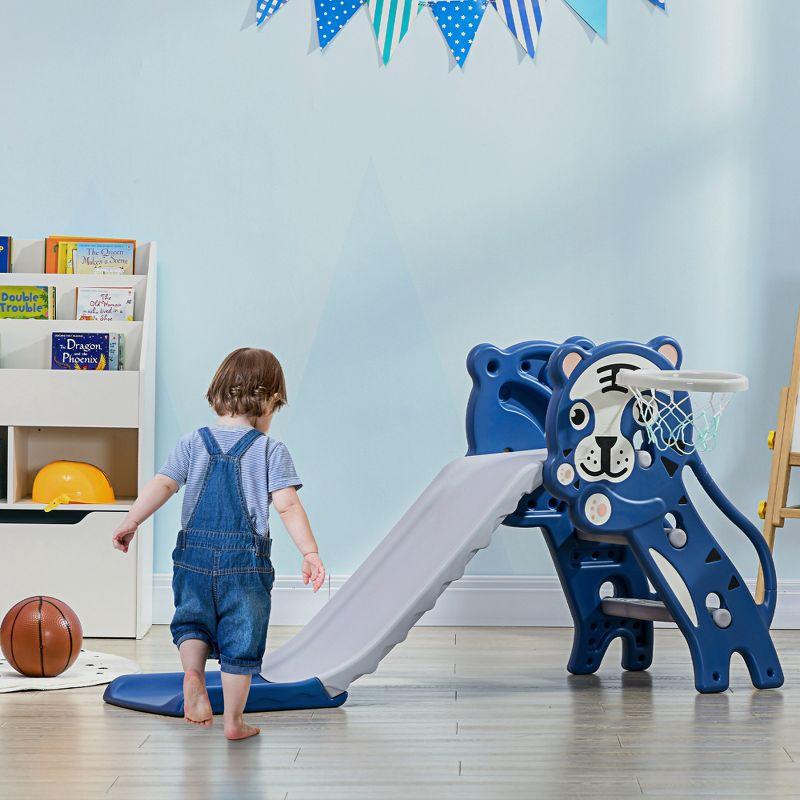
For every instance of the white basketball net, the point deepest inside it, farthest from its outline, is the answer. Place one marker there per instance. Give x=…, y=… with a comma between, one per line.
x=672, y=424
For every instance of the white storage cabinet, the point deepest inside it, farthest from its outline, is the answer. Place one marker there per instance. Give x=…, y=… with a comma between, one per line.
x=105, y=418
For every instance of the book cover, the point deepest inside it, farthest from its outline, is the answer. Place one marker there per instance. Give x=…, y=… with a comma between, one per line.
x=103, y=303
x=27, y=302
x=4, y=467
x=92, y=258
x=120, y=351
x=66, y=258
x=5, y=254
x=86, y=351
x=51, y=248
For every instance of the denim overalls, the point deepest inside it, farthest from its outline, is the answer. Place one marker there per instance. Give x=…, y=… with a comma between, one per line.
x=222, y=575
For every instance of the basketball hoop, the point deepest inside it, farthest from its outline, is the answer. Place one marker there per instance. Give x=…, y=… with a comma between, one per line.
x=663, y=405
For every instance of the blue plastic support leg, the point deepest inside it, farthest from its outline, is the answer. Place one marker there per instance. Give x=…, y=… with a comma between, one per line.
x=704, y=569
x=582, y=568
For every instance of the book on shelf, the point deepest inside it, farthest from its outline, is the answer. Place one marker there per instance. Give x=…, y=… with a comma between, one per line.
x=94, y=258
x=5, y=254
x=27, y=302
x=4, y=467
x=104, y=303
x=51, y=252
x=66, y=258
x=88, y=351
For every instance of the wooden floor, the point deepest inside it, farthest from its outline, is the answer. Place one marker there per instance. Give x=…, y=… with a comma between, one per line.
x=451, y=713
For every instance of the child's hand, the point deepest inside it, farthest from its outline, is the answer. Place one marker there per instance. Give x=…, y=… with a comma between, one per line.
x=124, y=534
x=313, y=570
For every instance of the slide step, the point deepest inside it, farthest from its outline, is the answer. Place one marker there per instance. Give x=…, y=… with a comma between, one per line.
x=608, y=538
x=633, y=608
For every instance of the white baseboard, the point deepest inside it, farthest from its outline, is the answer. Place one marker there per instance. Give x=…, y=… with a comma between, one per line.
x=475, y=600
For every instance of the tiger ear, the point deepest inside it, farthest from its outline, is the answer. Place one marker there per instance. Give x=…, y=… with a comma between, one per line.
x=563, y=364
x=668, y=348
x=569, y=362
x=670, y=353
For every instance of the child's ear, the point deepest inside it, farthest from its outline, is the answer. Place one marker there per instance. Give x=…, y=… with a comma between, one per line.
x=563, y=363
x=669, y=348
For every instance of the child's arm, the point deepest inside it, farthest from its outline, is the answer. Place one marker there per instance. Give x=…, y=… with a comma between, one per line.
x=151, y=498
x=296, y=522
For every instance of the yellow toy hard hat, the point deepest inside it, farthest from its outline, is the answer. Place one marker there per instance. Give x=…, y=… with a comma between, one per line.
x=62, y=482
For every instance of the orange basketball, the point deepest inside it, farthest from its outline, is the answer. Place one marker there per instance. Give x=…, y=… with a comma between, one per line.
x=41, y=637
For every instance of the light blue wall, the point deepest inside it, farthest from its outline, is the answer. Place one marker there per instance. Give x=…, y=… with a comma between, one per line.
x=370, y=225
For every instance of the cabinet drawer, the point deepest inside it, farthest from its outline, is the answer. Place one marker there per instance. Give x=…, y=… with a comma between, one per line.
x=76, y=563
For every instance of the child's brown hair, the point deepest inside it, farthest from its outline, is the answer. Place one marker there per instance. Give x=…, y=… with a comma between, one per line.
x=249, y=383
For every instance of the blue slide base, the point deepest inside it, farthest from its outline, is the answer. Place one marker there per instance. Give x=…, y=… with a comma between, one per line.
x=162, y=693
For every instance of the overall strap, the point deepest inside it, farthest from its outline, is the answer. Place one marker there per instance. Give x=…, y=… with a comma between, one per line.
x=244, y=444
x=221, y=506
x=210, y=442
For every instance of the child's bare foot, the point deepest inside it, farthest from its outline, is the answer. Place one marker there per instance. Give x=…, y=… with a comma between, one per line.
x=196, y=705
x=239, y=729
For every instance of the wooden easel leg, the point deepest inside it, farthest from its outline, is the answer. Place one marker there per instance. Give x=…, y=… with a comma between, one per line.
x=773, y=509
x=779, y=477
x=769, y=535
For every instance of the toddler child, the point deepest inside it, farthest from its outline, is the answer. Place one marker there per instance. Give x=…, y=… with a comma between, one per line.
x=222, y=573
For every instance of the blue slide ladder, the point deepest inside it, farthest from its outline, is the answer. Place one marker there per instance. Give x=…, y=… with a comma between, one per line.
x=654, y=530
x=506, y=411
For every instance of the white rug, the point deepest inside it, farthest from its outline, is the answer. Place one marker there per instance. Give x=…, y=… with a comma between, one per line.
x=90, y=669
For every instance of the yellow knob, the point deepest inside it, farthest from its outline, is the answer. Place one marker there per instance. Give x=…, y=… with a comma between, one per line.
x=762, y=509
x=771, y=440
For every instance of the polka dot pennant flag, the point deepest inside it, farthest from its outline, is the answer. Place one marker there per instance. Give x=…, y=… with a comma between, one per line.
x=266, y=8
x=524, y=20
x=332, y=16
x=458, y=21
x=391, y=20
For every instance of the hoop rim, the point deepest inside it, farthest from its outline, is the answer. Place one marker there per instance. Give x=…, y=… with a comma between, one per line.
x=683, y=380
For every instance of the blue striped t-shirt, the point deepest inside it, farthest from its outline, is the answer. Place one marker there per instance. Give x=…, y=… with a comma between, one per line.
x=187, y=465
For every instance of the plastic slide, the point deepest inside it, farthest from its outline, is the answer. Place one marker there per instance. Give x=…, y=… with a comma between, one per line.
x=401, y=579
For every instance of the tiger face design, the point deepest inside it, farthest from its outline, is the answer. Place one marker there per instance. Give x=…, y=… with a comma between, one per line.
x=596, y=418
x=598, y=408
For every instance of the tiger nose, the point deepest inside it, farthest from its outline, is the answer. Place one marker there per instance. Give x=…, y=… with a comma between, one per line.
x=605, y=443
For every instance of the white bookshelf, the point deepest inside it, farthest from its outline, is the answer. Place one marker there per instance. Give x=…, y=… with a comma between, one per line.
x=105, y=418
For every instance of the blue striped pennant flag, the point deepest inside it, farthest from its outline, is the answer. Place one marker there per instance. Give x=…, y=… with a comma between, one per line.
x=332, y=16
x=391, y=20
x=524, y=20
x=266, y=8
x=660, y=3
x=458, y=21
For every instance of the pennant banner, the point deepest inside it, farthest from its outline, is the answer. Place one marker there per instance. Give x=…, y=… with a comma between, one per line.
x=266, y=8
x=332, y=16
x=458, y=22
x=524, y=20
x=593, y=13
x=391, y=20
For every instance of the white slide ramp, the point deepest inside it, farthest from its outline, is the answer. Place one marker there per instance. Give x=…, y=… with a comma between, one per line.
x=402, y=578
